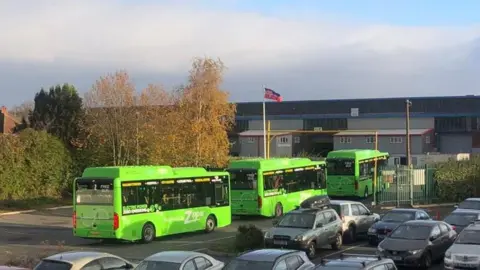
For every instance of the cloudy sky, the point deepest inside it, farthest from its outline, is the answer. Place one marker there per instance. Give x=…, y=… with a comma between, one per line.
x=303, y=49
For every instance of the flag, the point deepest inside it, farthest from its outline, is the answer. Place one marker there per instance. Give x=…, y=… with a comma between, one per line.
x=272, y=95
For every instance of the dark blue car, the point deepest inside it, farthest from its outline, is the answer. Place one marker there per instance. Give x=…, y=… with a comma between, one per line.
x=391, y=220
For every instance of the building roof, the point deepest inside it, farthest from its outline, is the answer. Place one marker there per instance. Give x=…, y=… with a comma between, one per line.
x=255, y=133
x=384, y=132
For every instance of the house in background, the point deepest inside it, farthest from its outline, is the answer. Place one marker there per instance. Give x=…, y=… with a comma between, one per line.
x=7, y=121
x=393, y=141
x=282, y=144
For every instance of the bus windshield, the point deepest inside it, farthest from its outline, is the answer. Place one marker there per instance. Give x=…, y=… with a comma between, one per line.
x=243, y=179
x=94, y=191
x=341, y=166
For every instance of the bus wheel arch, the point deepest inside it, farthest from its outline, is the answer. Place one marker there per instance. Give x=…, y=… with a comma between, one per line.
x=148, y=232
x=278, y=210
x=210, y=223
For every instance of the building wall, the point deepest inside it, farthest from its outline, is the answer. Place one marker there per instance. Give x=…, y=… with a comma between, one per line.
x=455, y=143
x=288, y=124
x=281, y=146
x=389, y=123
x=360, y=142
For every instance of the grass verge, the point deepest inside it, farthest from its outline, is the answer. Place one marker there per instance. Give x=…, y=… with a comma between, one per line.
x=38, y=203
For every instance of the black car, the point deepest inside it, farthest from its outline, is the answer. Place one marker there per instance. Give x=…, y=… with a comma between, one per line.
x=265, y=259
x=417, y=243
x=392, y=219
x=461, y=218
x=357, y=262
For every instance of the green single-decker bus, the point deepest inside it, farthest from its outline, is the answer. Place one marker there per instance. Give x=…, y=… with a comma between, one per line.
x=351, y=172
x=143, y=202
x=271, y=187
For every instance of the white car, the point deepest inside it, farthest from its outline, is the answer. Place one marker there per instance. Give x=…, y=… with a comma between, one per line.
x=181, y=260
x=465, y=251
x=356, y=218
x=82, y=260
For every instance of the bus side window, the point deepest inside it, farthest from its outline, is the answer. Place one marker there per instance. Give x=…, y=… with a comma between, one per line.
x=221, y=194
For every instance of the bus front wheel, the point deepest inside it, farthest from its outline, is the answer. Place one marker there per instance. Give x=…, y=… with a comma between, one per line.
x=148, y=233
x=210, y=224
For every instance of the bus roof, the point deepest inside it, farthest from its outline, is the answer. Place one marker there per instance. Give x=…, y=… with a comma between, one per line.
x=272, y=164
x=356, y=153
x=147, y=172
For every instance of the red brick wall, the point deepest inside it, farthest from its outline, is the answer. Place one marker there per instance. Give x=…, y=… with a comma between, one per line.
x=7, y=122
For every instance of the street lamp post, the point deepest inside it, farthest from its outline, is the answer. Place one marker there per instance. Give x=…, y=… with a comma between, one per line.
x=137, y=115
x=408, y=104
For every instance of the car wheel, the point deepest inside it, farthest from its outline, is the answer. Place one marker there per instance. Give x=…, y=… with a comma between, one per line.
x=148, y=233
x=338, y=242
x=311, y=250
x=365, y=194
x=427, y=260
x=210, y=224
x=372, y=242
x=278, y=210
x=350, y=235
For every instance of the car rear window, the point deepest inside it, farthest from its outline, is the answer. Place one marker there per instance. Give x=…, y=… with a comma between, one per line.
x=52, y=265
x=248, y=265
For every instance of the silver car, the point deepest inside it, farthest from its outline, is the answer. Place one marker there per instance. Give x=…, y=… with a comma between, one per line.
x=356, y=218
x=80, y=260
x=181, y=260
x=465, y=251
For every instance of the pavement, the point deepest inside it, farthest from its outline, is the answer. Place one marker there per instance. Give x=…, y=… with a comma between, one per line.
x=33, y=232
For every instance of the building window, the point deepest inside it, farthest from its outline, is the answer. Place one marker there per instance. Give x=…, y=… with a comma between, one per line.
x=283, y=139
x=370, y=139
x=296, y=140
x=427, y=139
x=345, y=140
x=396, y=140
x=251, y=140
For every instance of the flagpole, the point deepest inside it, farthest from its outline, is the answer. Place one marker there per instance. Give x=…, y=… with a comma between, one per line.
x=264, y=127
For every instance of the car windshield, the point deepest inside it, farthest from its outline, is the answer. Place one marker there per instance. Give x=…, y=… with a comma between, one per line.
x=461, y=219
x=297, y=221
x=468, y=204
x=468, y=237
x=248, y=265
x=397, y=216
x=411, y=232
x=52, y=265
x=153, y=265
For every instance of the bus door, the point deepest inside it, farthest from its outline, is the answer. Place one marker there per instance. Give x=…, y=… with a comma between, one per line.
x=244, y=191
x=93, y=213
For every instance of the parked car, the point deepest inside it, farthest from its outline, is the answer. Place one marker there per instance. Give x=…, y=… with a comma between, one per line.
x=181, y=260
x=356, y=218
x=357, y=261
x=265, y=259
x=306, y=229
x=392, y=219
x=465, y=251
x=470, y=203
x=76, y=260
x=461, y=218
x=4, y=267
x=417, y=243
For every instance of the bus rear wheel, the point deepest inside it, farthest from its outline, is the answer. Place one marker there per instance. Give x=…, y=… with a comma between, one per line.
x=210, y=224
x=278, y=210
x=148, y=233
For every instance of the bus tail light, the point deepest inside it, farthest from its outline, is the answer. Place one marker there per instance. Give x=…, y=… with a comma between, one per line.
x=259, y=201
x=356, y=185
x=74, y=219
x=116, y=221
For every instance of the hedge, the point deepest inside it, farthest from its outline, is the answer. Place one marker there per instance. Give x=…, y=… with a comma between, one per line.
x=33, y=165
x=458, y=180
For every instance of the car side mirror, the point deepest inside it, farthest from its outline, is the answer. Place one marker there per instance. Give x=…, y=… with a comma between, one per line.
x=432, y=238
x=369, y=213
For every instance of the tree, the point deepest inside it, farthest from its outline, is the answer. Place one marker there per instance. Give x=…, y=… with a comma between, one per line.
x=204, y=116
x=119, y=118
x=59, y=112
x=23, y=110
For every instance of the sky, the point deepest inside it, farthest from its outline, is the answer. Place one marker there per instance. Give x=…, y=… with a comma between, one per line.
x=302, y=49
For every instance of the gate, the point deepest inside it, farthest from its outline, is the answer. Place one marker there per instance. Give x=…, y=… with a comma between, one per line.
x=406, y=186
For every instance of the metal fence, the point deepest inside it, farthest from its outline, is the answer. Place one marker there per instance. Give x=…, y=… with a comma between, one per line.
x=406, y=186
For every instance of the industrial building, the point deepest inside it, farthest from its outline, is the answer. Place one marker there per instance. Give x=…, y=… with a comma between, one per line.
x=437, y=124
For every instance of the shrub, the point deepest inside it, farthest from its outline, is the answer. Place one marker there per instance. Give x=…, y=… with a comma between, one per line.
x=248, y=238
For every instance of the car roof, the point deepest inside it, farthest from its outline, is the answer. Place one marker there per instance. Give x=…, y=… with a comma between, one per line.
x=266, y=255
x=423, y=222
x=307, y=210
x=174, y=256
x=355, y=261
x=406, y=210
x=473, y=199
x=475, y=226
x=78, y=257
x=466, y=211
x=337, y=202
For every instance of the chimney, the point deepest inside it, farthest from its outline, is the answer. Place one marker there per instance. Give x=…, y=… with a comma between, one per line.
x=4, y=110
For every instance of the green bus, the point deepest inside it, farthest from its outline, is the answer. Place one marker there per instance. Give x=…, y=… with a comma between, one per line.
x=351, y=172
x=143, y=202
x=271, y=187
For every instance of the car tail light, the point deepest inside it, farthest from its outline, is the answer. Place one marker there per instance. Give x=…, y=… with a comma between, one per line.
x=116, y=221
x=388, y=232
x=259, y=201
x=356, y=185
x=454, y=228
x=74, y=219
